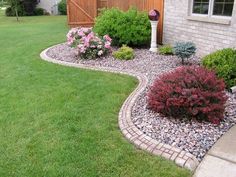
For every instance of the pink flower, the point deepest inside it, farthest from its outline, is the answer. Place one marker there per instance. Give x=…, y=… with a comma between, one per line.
x=85, y=40
x=91, y=35
x=86, y=30
x=107, y=38
x=86, y=44
x=107, y=45
x=100, y=52
x=72, y=32
x=81, y=48
x=97, y=39
x=70, y=40
x=81, y=33
x=68, y=35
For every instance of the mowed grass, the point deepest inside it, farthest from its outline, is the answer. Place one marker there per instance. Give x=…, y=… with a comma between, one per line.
x=57, y=121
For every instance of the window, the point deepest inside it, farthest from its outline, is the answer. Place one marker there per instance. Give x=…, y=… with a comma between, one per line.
x=213, y=7
x=200, y=6
x=223, y=7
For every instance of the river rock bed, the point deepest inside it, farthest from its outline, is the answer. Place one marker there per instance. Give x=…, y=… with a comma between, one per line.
x=189, y=135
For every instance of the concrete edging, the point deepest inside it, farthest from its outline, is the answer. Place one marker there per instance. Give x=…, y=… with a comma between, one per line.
x=127, y=127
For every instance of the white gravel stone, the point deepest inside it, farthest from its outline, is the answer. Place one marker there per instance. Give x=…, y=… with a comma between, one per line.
x=189, y=135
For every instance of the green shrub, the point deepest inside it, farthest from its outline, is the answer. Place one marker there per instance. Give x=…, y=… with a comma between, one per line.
x=124, y=53
x=39, y=11
x=131, y=28
x=184, y=50
x=62, y=7
x=24, y=7
x=3, y=3
x=11, y=12
x=224, y=63
x=166, y=50
x=29, y=6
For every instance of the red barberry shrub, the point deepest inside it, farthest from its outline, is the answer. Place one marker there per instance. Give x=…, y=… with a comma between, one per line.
x=189, y=91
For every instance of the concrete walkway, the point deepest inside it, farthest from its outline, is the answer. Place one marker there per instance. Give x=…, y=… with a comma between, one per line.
x=220, y=161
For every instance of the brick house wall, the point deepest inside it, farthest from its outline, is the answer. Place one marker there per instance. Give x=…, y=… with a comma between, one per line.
x=208, y=34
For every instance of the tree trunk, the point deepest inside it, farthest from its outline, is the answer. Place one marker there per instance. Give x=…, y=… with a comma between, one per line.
x=17, y=16
x=14, y=6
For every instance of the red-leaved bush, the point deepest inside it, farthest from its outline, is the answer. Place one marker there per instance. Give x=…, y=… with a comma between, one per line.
x=191, y=91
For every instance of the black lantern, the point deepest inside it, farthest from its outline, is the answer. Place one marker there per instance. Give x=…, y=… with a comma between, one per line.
x=154, y=15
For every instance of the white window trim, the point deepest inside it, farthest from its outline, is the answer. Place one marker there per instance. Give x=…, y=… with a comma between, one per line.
x=226, y=20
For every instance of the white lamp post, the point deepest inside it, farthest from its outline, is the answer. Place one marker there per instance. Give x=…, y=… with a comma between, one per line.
x=154, y=17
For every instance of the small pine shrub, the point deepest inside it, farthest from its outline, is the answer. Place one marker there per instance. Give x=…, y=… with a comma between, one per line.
x=189, y=91
x=124, y=53
x=166, y=50
x=131, y=28
x=224, y=63
x=184, y=50
x=62, y=7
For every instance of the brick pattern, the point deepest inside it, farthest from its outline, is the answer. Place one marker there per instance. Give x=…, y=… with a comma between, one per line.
x=129, y=130
x=207, y=36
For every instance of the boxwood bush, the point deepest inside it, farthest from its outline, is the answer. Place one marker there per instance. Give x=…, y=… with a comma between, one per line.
x=166, y=50
x=131, y=28
x=189, y=91
x=124, y=53
x=224, y=63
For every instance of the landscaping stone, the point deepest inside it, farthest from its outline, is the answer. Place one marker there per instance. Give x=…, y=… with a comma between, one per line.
x=147, y=129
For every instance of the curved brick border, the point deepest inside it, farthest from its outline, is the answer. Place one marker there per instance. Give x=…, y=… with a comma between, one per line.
x=129, y=130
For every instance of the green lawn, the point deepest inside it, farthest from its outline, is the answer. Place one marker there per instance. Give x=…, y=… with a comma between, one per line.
x=57, y=121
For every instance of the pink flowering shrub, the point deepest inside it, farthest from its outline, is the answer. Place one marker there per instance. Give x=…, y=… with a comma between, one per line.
x=89, y=45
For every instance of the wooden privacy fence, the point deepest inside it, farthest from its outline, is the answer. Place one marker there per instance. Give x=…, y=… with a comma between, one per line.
x=83, y=12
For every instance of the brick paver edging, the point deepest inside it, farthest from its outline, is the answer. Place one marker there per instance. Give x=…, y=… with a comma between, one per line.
x=127, y=127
